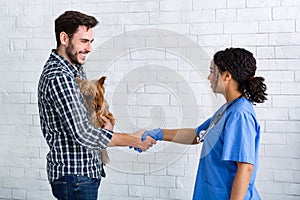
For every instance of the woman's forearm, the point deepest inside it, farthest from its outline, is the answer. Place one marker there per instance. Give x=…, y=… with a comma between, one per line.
x=182, y=136
x=241, y=181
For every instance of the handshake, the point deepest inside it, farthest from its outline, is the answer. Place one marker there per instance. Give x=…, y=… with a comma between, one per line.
x=148, y=138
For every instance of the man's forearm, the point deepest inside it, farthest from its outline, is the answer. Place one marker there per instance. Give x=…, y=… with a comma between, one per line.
x=133, y=140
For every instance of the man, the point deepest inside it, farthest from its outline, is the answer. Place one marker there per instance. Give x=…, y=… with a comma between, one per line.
x=74, y=171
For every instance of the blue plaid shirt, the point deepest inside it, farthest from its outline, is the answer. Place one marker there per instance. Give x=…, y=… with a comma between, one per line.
x=65, y=124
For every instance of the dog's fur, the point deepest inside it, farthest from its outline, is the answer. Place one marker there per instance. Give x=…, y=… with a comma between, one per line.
x=93, y=92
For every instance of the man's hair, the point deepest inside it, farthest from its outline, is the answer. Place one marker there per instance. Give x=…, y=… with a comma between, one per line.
x=69, y=22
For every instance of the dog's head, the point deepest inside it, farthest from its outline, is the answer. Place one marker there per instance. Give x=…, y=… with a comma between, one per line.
x=93, y=92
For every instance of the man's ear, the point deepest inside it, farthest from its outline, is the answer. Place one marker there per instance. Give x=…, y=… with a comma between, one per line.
x=101, y=80
x=64, y=38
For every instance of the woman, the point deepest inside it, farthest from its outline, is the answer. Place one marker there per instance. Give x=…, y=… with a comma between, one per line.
x=229, y=156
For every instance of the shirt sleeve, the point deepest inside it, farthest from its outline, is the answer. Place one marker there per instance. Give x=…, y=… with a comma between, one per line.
x=66, y=97
x=239, y=138
x=203, y=126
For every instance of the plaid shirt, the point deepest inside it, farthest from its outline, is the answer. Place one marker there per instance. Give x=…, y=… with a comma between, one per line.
x=73, y=141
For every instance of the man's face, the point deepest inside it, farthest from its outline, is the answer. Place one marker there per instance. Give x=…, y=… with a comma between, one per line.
x=80, y=45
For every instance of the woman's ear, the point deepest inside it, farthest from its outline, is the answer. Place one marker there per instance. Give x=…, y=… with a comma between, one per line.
x=64, y=38
x=226, y=76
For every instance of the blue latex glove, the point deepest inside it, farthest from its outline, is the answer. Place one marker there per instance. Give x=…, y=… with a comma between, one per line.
x=156, y=134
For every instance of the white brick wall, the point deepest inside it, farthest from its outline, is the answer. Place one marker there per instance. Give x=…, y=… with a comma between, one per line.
x=155, y=54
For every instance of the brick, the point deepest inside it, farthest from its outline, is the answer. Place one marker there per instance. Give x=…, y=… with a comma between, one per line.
x=144, y=6
x=236, y=3
x=168, y=5
x=5, y=193
x=276, y=26
x=265, y=174
x=287, y=52
x=278, y=76
x=272, y=113
x=3, y=10
x=206, y=28
x=37, y=10
x=286, y=13
x=249, y=39
x=39, y=44
x=4, y=171
x=198, y=16
x=165, y=17
x=278, y=150
x=290, y=3
x=29, y=21
x=213, y=4
x=283, y=65
x=37, y=195
x=292, y=188
x=263, y=3
x=17, y=44
x=143, y=191
x=294, y=113
x=254, y=14
x=176, y=170
x=265, y=52
x=273, y=138
x=176, y=194
x=283, y=175
x=284, y=38
x=109, y=19
x=293, y=138
x=16, y=172
x=18, y=194
x=162, y=181
x=275, y=163
x=108, y=7
x=136, y=179
x=212, y=40
x=240, y=27
x=147, y=54
x=167, y=158
x=134, y=18
x=286, y=101
x=224, y=15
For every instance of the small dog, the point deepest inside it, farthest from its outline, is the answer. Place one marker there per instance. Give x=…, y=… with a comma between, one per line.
x=93, y=93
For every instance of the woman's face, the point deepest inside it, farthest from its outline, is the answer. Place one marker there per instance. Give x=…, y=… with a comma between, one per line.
x=214, y=78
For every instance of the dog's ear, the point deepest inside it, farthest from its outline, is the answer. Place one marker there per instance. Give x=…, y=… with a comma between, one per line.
x=101, y=80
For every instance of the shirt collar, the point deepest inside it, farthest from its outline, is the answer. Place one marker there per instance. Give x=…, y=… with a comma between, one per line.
x=74, y=69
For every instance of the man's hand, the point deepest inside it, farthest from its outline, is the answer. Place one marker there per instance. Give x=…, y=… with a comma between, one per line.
x=145, y=142
x=107, y=124
x=155, y=134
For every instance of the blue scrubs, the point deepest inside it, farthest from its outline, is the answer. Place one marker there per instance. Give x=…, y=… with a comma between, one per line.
x=234, y=138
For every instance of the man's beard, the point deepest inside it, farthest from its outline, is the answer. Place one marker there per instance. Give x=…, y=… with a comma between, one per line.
x=71, y=55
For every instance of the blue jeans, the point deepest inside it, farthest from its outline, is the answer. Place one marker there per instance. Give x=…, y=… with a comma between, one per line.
x=73, y=187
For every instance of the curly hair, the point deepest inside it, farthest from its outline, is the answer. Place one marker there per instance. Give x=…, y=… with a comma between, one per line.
x=69, y=22
x=241, y=64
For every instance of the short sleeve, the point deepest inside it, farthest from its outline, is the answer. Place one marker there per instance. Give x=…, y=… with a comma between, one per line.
x=239, y=138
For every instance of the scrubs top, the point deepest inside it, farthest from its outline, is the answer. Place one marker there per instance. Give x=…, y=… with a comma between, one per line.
x=234, y=138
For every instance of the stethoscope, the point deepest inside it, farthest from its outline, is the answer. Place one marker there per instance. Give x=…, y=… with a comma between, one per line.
x=203, y=133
